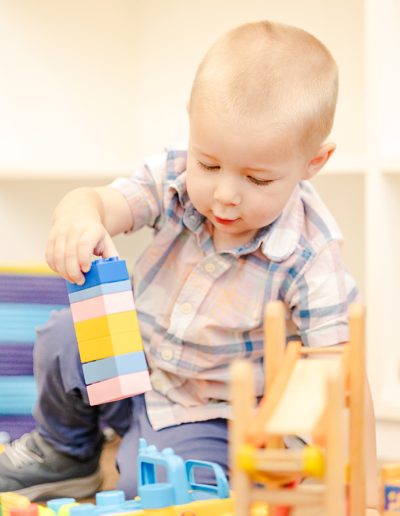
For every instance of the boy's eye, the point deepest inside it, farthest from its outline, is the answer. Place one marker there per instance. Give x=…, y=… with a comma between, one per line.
x=208, y=167
x=260, y=182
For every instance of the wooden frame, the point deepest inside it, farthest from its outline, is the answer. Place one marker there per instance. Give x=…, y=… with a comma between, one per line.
x=318, y=383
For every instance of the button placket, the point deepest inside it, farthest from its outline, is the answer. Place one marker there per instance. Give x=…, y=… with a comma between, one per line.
x=167, y=354
x=209, y=267
x=195, y=289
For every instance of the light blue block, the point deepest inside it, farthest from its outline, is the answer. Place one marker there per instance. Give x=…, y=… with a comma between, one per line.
x=100, y=290
x=111, y=367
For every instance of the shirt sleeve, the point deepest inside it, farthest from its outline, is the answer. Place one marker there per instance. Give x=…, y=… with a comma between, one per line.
x=144, y=192
x=319, y=298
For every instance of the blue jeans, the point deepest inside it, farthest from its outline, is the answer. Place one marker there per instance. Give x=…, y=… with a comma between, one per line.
x=65, y=419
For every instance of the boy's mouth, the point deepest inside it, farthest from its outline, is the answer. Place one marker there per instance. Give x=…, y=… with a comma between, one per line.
x=225, y=221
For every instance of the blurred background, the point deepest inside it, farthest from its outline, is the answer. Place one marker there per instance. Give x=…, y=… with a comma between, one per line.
x=90, y=87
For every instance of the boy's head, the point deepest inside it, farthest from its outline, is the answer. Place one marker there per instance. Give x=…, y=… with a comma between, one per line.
x=261, y=106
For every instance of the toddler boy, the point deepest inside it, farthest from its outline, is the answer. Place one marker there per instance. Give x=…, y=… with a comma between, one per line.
x=236, y=224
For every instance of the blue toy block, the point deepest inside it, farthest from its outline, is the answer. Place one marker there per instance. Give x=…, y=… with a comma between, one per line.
x=174, y=466
x=100, y=290
x=180, y=477
x=56, y=503
x=107, y=502
x=110, y=498
x=156, y=496
x=116, y=365
x=204, y=491
x=102, y=271
x=180, y=489
x=83, y=509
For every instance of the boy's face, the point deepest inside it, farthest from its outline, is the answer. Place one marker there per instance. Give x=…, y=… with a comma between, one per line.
x=240, y=177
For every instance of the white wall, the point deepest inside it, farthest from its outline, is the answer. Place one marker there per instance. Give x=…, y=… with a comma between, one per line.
x=91, y=86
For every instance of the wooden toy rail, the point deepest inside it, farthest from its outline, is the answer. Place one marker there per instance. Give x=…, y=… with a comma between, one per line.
x=307, y=393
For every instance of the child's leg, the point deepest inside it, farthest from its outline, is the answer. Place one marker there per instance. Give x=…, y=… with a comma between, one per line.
x=206, y=440
x=63, y=415
x=61, y=457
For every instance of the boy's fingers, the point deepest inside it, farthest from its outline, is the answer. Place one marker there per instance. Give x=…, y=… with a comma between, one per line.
x=73, y=270
x=58, y=259
x=109, y=248
x=86, y=248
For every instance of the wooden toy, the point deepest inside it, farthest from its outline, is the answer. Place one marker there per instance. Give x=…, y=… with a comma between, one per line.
x=107, y=331
x=307, y=390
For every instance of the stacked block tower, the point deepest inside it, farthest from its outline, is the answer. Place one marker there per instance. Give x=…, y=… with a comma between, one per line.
x=107, y=331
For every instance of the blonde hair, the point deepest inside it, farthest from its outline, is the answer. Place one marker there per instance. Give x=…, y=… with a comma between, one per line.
x=271, y=69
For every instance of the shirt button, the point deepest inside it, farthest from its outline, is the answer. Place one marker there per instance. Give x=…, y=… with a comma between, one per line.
x=209, y=267
x=186, y=308
x=167, y=354
x=157, y=384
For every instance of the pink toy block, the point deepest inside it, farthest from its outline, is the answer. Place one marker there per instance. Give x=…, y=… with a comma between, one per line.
x=120, y=387
x=102, y=305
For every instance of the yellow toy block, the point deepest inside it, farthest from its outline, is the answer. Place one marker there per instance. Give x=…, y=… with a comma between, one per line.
x=110, y=345
x=121, y=322
x=10, y=501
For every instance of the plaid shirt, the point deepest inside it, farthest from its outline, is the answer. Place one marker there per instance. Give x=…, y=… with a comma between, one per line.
x=198, y=309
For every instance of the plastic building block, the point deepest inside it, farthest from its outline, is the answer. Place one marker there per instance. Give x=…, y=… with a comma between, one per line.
x=100, y=290
x=179, y=495
x=31, y=510
x=114, y=366
x=119, y=387
x=180, y=475
x=107, y=332
x=56, y=503
x=102, y=305
x=96, y=349
x=12, y=501
x=99, y=327
x=102, y=271
x=83, y=509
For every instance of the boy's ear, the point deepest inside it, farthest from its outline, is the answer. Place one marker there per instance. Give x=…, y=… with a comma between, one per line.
x=318, y=161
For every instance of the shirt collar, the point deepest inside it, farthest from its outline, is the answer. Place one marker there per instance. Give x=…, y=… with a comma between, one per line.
x=285, y=232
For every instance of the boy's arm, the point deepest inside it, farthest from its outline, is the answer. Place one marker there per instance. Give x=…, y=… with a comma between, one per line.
x=83, y=223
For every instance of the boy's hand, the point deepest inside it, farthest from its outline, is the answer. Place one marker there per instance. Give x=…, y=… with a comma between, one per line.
x=75, y=236
x=372, y=512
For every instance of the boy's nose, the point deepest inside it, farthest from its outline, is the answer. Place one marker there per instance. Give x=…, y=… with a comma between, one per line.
x=227, y=192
